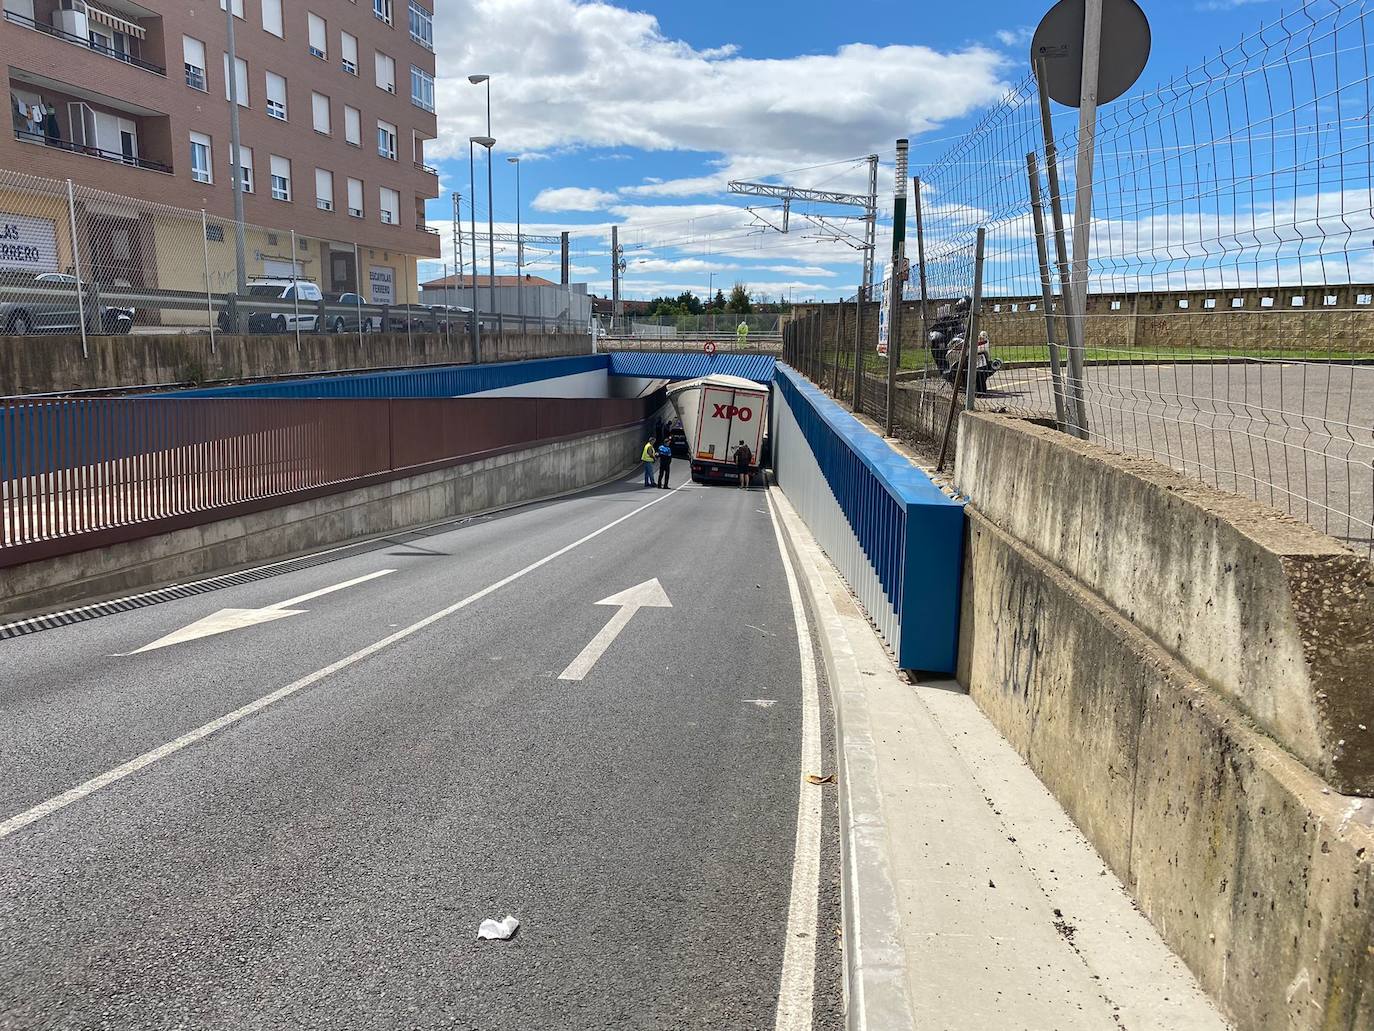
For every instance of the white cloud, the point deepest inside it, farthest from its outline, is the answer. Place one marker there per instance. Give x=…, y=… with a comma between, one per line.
x=572, y=198
x=589, y=74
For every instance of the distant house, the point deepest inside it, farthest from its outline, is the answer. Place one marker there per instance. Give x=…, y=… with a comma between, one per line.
x=539, y=299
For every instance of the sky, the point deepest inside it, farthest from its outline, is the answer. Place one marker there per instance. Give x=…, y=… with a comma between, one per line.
x=638, y=115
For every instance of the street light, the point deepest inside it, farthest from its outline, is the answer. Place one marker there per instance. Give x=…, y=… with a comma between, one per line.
x=519, y=249
x=477, y=80
x=488, y=142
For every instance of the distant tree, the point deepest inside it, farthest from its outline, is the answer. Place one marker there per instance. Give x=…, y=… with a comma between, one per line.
x=739, y=300
x=689, y=303
x=718, y=302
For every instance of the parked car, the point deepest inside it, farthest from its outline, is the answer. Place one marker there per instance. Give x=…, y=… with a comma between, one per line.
x=348, y=321
x=300, y=299
x=449, y=317
x=22, y=315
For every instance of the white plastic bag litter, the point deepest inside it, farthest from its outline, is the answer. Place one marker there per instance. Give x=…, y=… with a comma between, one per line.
x=503, y=930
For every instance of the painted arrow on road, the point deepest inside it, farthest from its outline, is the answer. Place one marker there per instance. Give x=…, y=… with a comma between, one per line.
x=226, y=620
x=648, y=595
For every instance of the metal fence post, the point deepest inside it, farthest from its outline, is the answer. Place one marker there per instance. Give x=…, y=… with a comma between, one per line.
x=839, y=338
x=858, y=349
x=975, y=310
x=358, y=282
x=295, y=289
x=209, y=301
x=1046, y=287
x=76, y=269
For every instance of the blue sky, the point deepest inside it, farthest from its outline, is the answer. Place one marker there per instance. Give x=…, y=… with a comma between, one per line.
x=638, y=114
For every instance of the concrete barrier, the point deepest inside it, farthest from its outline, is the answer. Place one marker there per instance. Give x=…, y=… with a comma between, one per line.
x=1092, y=583
x=51, y=364
x=532, y=474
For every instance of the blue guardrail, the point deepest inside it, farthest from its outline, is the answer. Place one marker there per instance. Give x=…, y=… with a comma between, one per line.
x=908, y=532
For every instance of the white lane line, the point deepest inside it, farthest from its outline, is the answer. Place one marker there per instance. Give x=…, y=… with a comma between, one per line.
x=104, y=780
x=798, y=982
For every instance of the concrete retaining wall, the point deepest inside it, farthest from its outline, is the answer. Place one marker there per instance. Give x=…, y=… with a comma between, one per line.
x=48, y=364
x=509, y=479
x=1083, y=621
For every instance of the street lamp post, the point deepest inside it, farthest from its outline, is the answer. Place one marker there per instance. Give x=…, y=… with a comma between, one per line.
x=488, y=143
x=477, y=80
x=519, y=250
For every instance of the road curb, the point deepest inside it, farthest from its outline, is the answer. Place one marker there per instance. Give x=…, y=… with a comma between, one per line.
x=875, y=956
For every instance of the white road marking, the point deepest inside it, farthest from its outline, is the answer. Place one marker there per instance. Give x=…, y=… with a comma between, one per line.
x=762, y=703
x=45, y=809
x=797, y=985
x=648, y=595
x=225, y=620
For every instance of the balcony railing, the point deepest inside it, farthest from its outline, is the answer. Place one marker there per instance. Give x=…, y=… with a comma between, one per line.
x=99, y=48
x=94, y=152
x=426, y=168
x=426, y=229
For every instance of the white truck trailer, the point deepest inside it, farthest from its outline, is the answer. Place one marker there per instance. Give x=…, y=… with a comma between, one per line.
x=717, y=413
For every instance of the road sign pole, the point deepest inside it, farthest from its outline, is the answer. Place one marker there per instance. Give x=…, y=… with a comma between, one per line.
x=894, y=321
x=1083, y=201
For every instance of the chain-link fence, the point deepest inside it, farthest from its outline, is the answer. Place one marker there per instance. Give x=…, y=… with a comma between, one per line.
x=80, y=261
x=1228, y=329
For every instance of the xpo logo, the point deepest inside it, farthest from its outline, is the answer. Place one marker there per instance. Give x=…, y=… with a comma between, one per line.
x=731, y=412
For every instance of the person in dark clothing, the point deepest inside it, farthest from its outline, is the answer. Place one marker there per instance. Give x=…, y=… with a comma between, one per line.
x=665, y=464
x=744, y=458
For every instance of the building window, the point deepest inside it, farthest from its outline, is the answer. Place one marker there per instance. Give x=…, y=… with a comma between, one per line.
x=319, y=36
x=276, y=96
x=348, y=46
x=1116, y=306
x=421, y=26
x=386, y=140
x=193, y=53
x=240, y=80
x=319, y=105
x=1237, y=302
x=421, y=89
x=386, y=73
x=1210, y=303
x=200, y=158
x=324, y=189
x=238, y=7
x=271, y=18
x=245, y=168
x=355, y=198
x=390, y=206
x=382, y=9
x=281, y=178
x=353, y=126
x=214, y=232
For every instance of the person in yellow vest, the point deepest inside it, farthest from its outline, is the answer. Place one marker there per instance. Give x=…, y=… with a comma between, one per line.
x=648, y=457
x=742, y=335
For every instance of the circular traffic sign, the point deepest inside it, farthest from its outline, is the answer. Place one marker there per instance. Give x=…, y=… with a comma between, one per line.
x=710, y=347
x=1059, y=41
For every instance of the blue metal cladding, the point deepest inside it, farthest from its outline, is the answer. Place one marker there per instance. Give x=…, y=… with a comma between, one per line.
x=445, y=381
x=673, y=365
x=911, y=532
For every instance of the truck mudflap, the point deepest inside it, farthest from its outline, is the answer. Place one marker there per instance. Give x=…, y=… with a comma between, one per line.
x=705, y=471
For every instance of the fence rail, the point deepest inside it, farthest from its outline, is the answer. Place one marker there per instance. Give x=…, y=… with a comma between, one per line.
x=79, y=474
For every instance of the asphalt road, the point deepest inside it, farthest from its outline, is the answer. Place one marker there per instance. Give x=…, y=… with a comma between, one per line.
x=323, y=861
x=1298, y=436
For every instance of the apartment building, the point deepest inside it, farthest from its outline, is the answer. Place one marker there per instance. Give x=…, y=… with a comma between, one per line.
x=336, y=103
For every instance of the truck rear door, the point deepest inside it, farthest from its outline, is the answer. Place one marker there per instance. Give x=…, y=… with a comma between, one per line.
x=727, y=417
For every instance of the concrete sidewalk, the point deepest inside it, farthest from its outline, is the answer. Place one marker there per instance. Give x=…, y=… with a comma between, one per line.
x=971, y=899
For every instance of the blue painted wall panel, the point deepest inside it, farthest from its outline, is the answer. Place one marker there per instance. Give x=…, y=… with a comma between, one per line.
x=910, y=532
x=673, y=365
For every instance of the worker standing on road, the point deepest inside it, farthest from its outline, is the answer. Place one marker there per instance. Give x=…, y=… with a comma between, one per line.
x=744, y=458
x=665, y=464
x=647, y=458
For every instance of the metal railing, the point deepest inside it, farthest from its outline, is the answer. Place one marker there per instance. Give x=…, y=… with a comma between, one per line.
x=89, y=44
x=80, y=474
x=71, y=147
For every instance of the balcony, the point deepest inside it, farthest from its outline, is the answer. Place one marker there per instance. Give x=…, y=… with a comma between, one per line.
x=57, y=115
x=118, y=31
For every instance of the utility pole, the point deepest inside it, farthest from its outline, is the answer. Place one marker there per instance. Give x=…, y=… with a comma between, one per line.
x=871, y=229
x=458, y=234
x=565, y=247
x=235, y=156
x=897, y=278
x=617, y=267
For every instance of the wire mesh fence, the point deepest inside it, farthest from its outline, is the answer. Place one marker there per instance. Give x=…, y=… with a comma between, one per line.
x=1228, y=329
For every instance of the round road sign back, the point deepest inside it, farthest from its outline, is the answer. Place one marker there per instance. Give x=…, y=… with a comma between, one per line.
x=1125, y=49
x=710, y=347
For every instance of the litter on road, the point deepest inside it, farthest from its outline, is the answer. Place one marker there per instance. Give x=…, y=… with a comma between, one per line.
x=814, y=779
x=502, y=930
